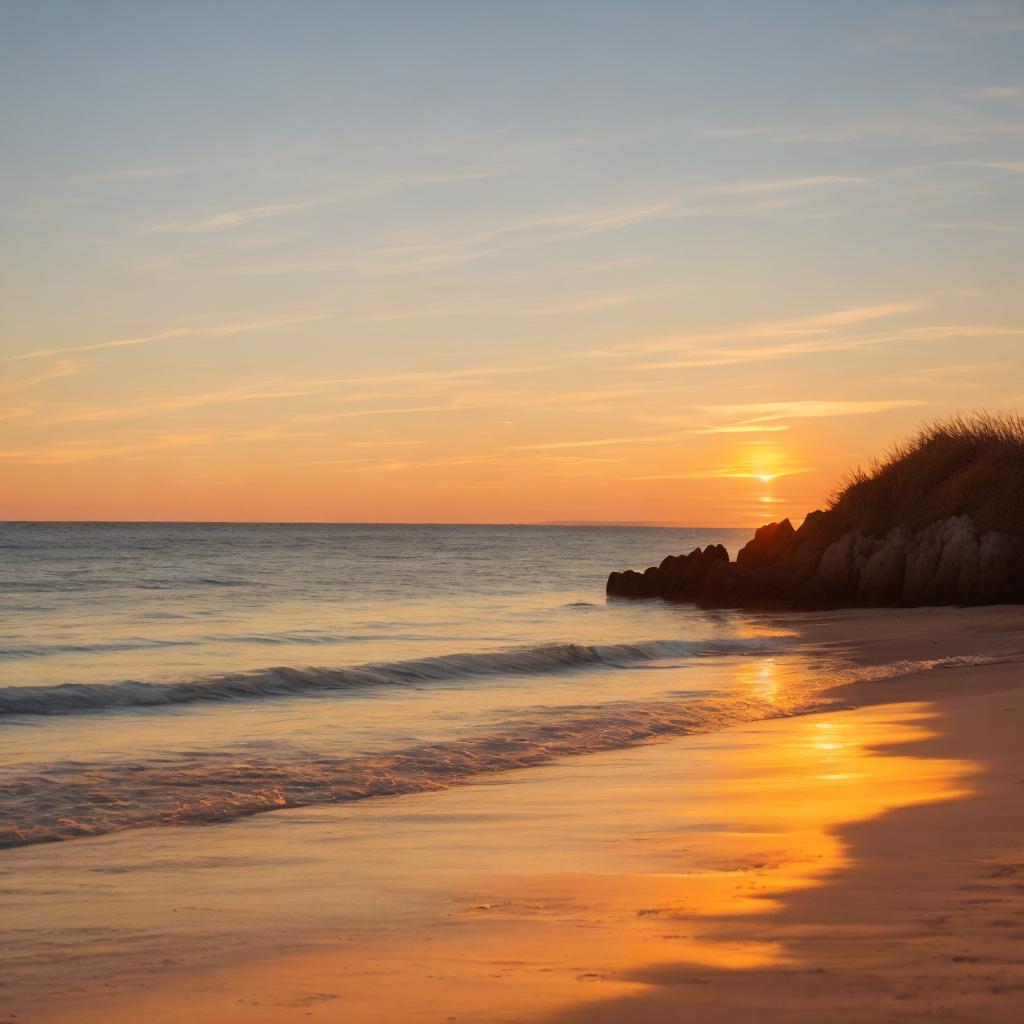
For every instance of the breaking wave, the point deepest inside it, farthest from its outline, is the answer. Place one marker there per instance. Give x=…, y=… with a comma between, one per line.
x=886, y=671
x=285, y=681
x=62, y=800
x=74, y=799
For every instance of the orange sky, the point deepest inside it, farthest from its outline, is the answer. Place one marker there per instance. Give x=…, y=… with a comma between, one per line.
x=354, y=277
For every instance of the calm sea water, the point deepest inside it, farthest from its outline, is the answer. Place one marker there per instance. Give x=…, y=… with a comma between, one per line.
x=155, y=674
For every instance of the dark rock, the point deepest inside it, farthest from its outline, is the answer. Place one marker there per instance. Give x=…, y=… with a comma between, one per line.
x=835, y=570
x=686, y=580
x=821, y=566
x=769, y=544
x=817, y=527
x=627, y=584
x=678, y=578
x=957, y=572
x=1014, y=590
x=922, y=563
x=799, y=565
x=996, y=562
x=814, y=594
x=880, y=580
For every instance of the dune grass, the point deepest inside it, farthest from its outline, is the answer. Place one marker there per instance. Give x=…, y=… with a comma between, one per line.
x=966, y=464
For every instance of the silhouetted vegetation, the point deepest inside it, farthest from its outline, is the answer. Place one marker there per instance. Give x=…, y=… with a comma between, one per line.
x=972, y=464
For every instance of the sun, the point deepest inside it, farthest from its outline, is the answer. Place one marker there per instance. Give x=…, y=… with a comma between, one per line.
x=765, y=478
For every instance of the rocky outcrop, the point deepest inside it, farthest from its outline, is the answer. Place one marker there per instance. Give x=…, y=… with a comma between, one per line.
x=676, y=579
x=821, y=566
x=769, y=544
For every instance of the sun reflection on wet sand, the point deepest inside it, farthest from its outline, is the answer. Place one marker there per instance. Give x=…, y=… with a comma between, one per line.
x=560, y=885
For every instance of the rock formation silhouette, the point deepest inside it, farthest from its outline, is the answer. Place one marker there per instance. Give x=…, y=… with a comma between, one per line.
x=948, y=562
x=939, y=520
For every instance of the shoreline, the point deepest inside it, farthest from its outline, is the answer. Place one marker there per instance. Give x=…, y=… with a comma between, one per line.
x=846, y=865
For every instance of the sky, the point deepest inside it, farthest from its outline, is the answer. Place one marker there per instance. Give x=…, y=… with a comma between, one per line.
x=682, y=262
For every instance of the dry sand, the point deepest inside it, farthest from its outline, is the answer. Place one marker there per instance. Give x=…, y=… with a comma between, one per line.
x=863, y=865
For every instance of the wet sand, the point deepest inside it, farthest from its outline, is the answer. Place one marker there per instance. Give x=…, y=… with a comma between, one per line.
x=855, y=865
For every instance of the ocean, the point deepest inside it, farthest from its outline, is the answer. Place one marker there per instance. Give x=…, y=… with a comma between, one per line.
x=294, y=768
x=170, y=674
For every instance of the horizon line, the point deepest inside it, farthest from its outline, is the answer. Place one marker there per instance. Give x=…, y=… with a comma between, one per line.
x=649, y=524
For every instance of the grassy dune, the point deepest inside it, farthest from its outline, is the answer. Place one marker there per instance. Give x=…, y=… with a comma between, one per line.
x=967, y=464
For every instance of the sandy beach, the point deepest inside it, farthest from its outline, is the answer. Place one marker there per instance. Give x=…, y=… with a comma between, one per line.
x=859, y=864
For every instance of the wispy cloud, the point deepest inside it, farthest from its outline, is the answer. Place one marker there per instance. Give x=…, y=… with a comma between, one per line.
x=424, y=313
x=810, y=408
x=173, y=334
x=578, y=224
x=583, y=304
x=1012, y=166
x=938, y=332
x=394, y=410
x=578, y=460
x=597, y=442
x=468, y=248
x=62, y=368
x=580, y=304
x=556, y=399
x=755, y=353
x=995, y=92
x=941, y=123
x=976, y=225
x=397, y=443
x=770, y=417
x=383, y=387
x=61, y=454
x=810, y=326
x=957, y=375
x=740, y=188
x=229, y=219
x=813, y=335
x=477, y=397
x=728, y=473
x=420, y=464
x=182, y=403
x=92, y=450
x=752, y=427
x=726, y=199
